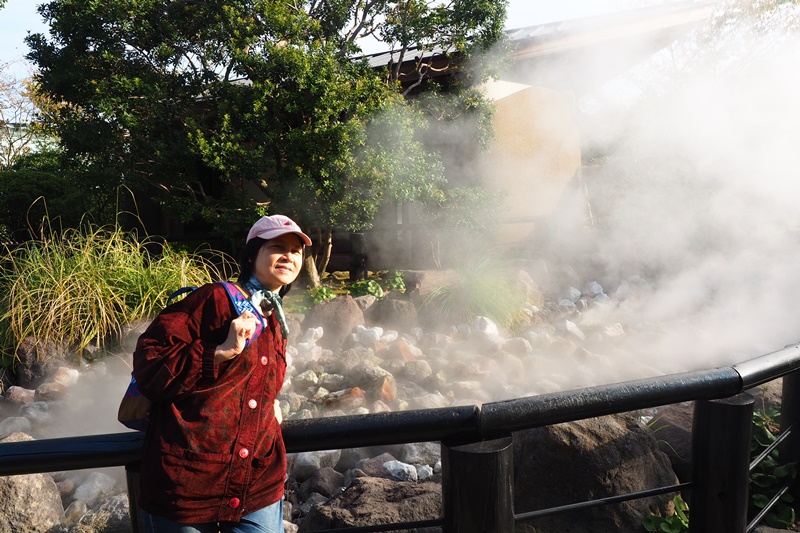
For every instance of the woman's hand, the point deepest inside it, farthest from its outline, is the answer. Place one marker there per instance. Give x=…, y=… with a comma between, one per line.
x=242, y=328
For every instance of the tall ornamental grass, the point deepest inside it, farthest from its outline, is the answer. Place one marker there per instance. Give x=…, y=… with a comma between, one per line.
x=485, y=287
x=81, y=286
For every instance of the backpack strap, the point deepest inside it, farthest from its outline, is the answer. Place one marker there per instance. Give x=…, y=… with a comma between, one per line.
x=242, y=303
x=182, y=290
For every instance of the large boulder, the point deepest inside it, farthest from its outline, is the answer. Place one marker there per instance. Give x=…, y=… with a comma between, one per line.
x=672, y=426
x=395, y=313
x=588, y=460
x=29, y=502
x=38, y=359
x=370, y=501
x=337, y=317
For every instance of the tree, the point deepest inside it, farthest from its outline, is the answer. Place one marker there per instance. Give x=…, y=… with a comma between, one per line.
x=229, y=109
x=20, y=132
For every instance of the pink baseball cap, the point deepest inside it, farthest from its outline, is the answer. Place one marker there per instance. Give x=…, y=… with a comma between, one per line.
x=275, y=226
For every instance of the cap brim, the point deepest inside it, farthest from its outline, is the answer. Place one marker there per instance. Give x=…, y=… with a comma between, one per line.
x=271, y=234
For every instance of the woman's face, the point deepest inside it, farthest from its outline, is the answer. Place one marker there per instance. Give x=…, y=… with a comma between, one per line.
x=278, y=262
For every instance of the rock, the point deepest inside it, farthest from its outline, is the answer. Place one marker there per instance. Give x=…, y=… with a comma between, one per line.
x=416, y=371
x=17, y=394
x=401, y=471
x=66, y=376
x=75, y=511
x=337, y=317
x=304, y=464
x=672, y=427
x=374, y=379
x=420, y=453
x=50, y=391
x=370, y=501
x=424, y=472
x=373, y=466
x=37, y=359
x=96, y=487
x=29, y=502
x=394, y=313
x=601, y=457
x=366, y=301
x=14, y=424
x=325, y=481
x=111, y=516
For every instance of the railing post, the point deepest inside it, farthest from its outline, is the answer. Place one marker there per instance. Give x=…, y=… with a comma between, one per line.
x=132, y=478
x=721, y=434
x=789, y=449
x=477, y=487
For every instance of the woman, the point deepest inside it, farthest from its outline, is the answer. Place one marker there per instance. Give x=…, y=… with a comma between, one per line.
x=213, y=457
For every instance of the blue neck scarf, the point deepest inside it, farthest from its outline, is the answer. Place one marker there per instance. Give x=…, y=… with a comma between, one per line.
x=267, y=300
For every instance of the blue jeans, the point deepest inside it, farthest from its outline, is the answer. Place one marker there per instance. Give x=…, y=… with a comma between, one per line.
x=266, y=520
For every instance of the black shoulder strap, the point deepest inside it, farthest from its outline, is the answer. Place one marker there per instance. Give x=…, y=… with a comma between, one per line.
x=182, y=290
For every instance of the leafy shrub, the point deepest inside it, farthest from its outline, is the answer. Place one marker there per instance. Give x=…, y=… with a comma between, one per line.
x=765, y=480
x=677, y=523
x=770, y=475
x=80, y=286
x=366, y=286
x=317, y=295
x=394, y=281
x=484, y=287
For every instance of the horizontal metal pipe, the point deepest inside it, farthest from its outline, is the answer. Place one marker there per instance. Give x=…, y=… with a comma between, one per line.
x=767, y=367
x=451, y=423
x=579, y=404
x=465, y=423
x=70, y=453
x=599, y=502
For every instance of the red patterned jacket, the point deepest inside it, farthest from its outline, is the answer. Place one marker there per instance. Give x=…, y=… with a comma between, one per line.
x=213, y=449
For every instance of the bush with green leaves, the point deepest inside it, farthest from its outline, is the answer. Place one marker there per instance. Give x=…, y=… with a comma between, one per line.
x=81, y=286
x=394, y=281
x=766, y=479
x=317, y=295
x=365, y=287
x=484, y=287
x=676, y=523
x=770, y=475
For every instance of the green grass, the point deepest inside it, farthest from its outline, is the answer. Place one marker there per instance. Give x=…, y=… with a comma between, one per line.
x=485, y=287
x=80, y=286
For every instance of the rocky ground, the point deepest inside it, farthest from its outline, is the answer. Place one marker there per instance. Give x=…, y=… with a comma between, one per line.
x=362, y=355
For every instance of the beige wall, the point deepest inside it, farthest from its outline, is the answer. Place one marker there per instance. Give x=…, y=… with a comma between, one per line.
x=535, y=153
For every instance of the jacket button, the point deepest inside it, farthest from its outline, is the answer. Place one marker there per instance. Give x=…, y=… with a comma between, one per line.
x=234, y=503
x=244, y=452
x=252, y=404
x=264, y=360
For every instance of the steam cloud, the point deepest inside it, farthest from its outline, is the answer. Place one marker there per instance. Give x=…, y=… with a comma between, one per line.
x=698, y=193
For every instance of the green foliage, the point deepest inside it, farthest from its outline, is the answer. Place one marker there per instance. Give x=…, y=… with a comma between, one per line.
x=770, y=475
x=394, y=281
x=33, y=189
x=677, y=523
x=765, y=480
x=223, y=109
x=366, y=286
x=317, y=295
x=485, y=287
x=81, y=286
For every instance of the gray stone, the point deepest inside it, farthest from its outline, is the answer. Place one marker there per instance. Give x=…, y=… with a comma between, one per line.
x=29, y=502
x=601, y=457
x=337, y=317
x=325, y=481
x=370, y=501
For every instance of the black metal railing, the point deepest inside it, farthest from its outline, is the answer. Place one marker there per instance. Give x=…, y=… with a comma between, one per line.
x=477, y=444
